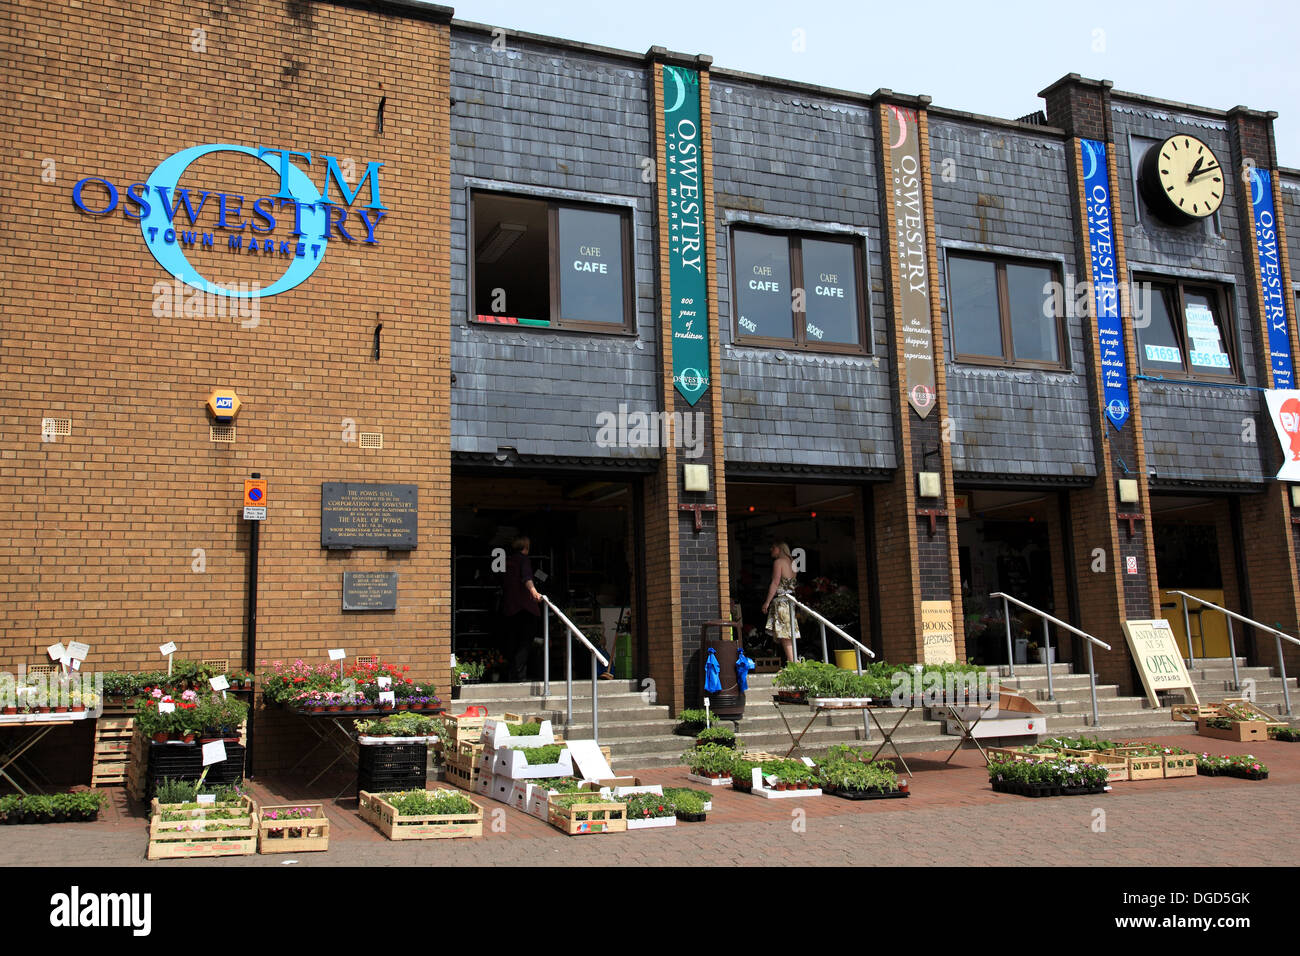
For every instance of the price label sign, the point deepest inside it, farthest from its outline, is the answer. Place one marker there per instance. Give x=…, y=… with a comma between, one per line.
x=168, y=649
x=204, y=799
x=387, y=697
x=384, y=681
x=166, y=707
x=78, y=651
x=219, y=682
x=338, y=655
x=57, y=652
x=214, y=752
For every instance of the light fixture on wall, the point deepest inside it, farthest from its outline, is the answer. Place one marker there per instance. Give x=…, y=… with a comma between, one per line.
x=1128, y=491
x=1295, y=496
x=928, y=484
x=697, y=477
x=500, y=240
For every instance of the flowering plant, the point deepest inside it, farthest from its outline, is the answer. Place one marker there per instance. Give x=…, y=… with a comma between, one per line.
x=649, y=806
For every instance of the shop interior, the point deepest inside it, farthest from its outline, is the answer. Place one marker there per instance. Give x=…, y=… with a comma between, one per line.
x=583, y=551
x=819, y=520
x=1005, y=543
x=1194, y=553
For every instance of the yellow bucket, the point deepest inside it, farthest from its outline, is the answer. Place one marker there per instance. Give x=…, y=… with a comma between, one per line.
x=846, y=660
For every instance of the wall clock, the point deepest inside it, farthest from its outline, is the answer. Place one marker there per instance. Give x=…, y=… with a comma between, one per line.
x=1181, y=180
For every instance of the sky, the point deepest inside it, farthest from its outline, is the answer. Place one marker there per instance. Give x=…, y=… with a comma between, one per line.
x=982, y=57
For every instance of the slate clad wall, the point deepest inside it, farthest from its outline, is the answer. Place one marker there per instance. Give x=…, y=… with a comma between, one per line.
x=780, y=154
x=1007, y=192
x=547, y=121
x=1193, y=432
x=1291, y=212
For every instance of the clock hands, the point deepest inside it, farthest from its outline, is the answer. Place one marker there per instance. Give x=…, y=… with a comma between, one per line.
x=1197, y=171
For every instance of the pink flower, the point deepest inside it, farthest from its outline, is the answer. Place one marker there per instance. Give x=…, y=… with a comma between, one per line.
x=157, y=693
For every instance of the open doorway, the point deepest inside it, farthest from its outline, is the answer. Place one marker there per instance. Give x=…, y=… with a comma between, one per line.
x=1010, y=542
x=1194, y=553
x=822, y=524
x=585, y=549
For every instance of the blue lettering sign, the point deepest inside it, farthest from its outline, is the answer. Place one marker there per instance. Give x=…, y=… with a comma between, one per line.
x=1105, y=290
x=1270, y=273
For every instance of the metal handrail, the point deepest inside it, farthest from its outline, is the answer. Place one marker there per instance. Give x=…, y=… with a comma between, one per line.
x=858, y=646
x=1047, y=647
x=1278, y=636
x=568, y=664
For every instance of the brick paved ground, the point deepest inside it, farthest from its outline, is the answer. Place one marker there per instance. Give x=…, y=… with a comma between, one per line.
x=952, y=818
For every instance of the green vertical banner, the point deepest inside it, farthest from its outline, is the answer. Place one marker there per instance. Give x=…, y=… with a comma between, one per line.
x=687, y=290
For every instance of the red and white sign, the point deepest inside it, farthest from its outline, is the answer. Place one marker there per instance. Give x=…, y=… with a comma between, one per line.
x=1131, y=565
x=1284, y=410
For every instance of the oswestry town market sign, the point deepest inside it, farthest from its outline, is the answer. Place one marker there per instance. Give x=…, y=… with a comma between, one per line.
x=156, y=202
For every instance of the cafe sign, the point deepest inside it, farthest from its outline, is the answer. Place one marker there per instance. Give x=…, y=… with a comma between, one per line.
x=688, y=291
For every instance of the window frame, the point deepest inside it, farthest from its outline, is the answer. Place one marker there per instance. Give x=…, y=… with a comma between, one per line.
x=556, y=323
x=794, y=239
x=1221, y=304
x=1008, y=358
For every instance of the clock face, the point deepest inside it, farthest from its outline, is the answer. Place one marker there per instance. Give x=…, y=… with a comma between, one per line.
x=1182, y=180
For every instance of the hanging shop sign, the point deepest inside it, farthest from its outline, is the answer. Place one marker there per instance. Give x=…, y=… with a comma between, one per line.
x=904, y=150
x=1284, y=410
x=1158, y=658
x=1105, y=289
x=1270, y=273
x=688, y=291
x=293, y=225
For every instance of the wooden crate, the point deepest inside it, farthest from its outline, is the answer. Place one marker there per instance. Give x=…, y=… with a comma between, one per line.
x=1141, y=767
x=1016, y=752
x=314, y=830
x=1116, y=767
x=1238, y=730
x=112, y=750
x=464, y=729
x=384, y=816
x=599, y=817
x=461, y=770
x=1172, y=768
x=180, y=839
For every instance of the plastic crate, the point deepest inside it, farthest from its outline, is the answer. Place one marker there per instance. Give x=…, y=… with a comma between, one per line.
x=394, y=758
x=383, y=783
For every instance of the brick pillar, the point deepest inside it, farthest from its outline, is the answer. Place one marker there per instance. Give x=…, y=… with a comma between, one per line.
x=1103, y=542
x=917, y=552
x=1268, y=524
x=694, y=587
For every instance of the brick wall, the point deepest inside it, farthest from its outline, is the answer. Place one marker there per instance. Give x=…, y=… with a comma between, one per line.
x=98, y=541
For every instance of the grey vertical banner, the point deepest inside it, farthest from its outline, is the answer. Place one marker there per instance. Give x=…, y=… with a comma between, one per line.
x=903, y=148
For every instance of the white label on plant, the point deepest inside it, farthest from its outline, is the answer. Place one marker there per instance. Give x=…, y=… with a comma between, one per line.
x=206, y=798
x=338, y=655
x=219, y=682
x=78, y=651
x=56, y=651
x=387, y=697
x=76, y=664
x=214, y=752
x=167, y=649
x=807, y=761
x=166, y=707
x=756, y=777
x=384, y=681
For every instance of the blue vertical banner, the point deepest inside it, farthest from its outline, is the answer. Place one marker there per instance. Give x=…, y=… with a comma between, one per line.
x=1105, y=290
x=1270, y=274
x=687, y=285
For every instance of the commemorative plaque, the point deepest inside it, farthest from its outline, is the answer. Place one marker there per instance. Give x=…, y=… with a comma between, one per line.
x=370, y=590
x=368, y=515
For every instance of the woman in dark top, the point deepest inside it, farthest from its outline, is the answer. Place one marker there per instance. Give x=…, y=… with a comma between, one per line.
x=520, y=607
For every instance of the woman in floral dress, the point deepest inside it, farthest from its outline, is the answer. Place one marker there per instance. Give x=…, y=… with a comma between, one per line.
x=781, y=622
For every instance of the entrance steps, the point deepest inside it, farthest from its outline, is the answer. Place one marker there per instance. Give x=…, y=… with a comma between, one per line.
x=639, y=733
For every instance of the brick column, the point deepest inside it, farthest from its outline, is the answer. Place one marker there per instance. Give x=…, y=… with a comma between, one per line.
x=687, y=568
x=1103, y=543
x=915, y=563
x=1268, y=523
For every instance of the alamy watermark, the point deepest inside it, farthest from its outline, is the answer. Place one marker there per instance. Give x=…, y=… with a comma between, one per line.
x=26, y=692
x=175, y=299
x=624, y=429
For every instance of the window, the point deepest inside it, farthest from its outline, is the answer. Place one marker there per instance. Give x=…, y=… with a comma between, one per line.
x=1005, y=312
x=1189, y=335
x=770, y=269
x=552, y=265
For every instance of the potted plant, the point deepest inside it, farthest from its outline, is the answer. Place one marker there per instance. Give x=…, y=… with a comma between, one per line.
x=719, y=734
x=8, y=693
x=690, y=804
x=711, y=761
